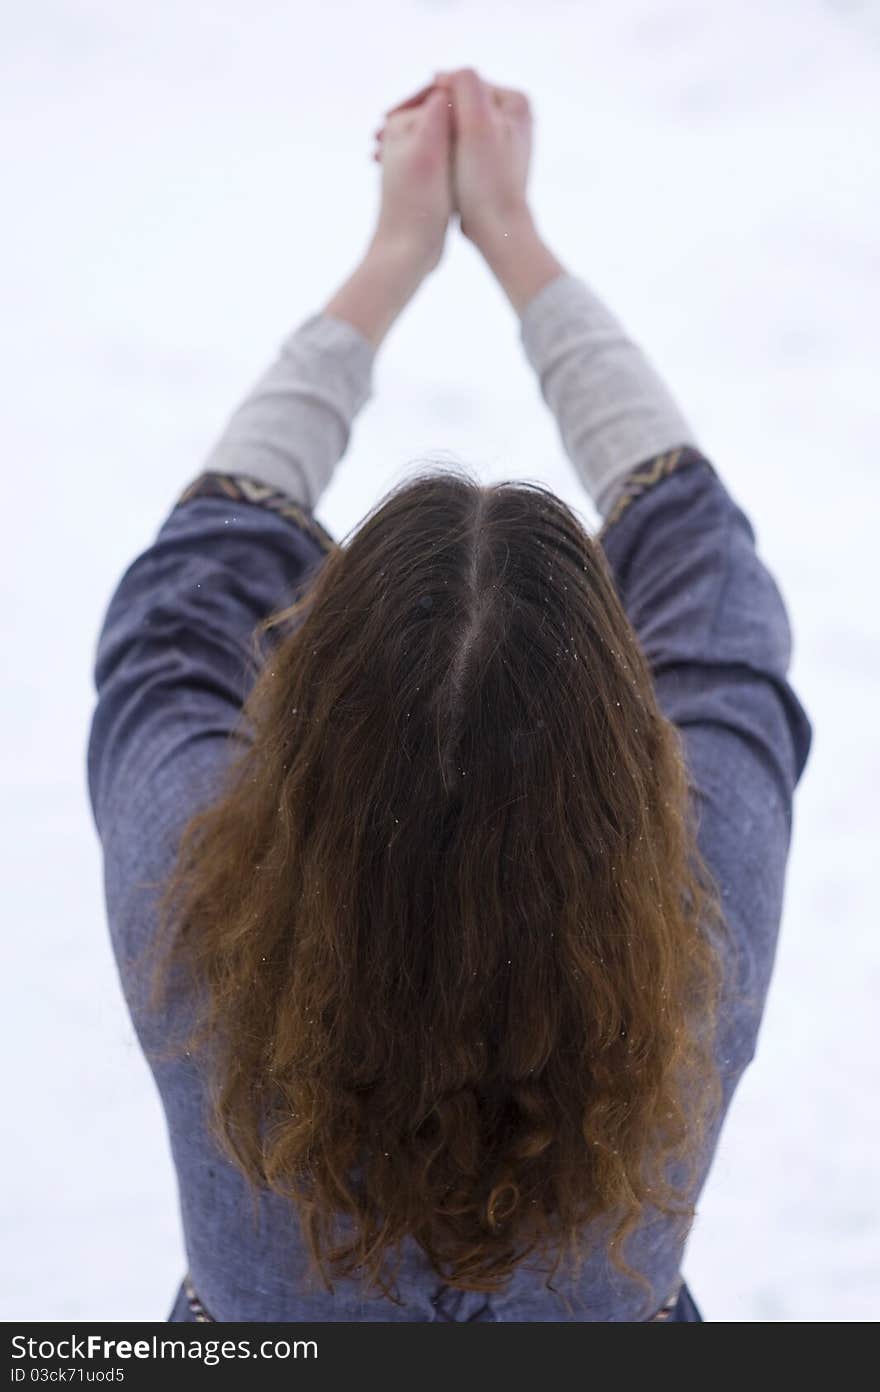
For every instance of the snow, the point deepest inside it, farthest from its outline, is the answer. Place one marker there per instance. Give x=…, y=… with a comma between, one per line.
x=185, y=183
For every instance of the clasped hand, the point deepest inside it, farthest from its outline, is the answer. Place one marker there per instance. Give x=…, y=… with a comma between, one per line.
x=459, y=145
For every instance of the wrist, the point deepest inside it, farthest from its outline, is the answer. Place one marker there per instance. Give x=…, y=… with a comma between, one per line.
x=518, y=257
x=494, y=229
x=385, y=280
x=404, y=259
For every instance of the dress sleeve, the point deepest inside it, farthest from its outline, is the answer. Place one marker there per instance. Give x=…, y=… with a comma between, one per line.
x=172, y=667
x=715, y=630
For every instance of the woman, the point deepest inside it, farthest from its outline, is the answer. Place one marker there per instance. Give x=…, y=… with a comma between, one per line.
x=446, y=902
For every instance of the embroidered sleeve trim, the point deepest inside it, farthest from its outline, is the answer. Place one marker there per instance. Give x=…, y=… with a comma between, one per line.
x=201, y=1316
x=241, y=488
x=645, y=476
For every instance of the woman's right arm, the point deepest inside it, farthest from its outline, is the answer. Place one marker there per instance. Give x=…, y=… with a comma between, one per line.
x=707, y=612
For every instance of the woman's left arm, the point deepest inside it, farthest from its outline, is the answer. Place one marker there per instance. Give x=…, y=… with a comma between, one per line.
x=172, y=663
x=294, y=425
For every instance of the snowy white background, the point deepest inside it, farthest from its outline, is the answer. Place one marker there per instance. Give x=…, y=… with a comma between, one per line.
x=183, y=183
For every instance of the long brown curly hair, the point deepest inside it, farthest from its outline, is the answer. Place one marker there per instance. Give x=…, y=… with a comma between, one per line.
x=447, y=929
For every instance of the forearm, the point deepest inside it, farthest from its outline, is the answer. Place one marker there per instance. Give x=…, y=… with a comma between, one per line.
x=520, y=260
x=379, y=289
x=612, y=408
x=293, y=427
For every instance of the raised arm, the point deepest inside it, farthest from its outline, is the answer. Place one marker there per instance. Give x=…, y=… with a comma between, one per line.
x=172, y=664
x=707, y=612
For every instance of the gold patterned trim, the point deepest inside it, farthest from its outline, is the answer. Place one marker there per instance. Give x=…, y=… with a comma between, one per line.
x=667, y=1310
x=197, y=1309
x=645, y=476
x=200, y=1314
x=241, y=488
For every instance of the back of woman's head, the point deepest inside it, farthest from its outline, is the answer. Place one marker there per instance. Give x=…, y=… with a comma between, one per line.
x=448, y=922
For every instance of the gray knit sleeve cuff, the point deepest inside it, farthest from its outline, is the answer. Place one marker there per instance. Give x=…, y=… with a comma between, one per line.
x=612, y=408
x=294, y=426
